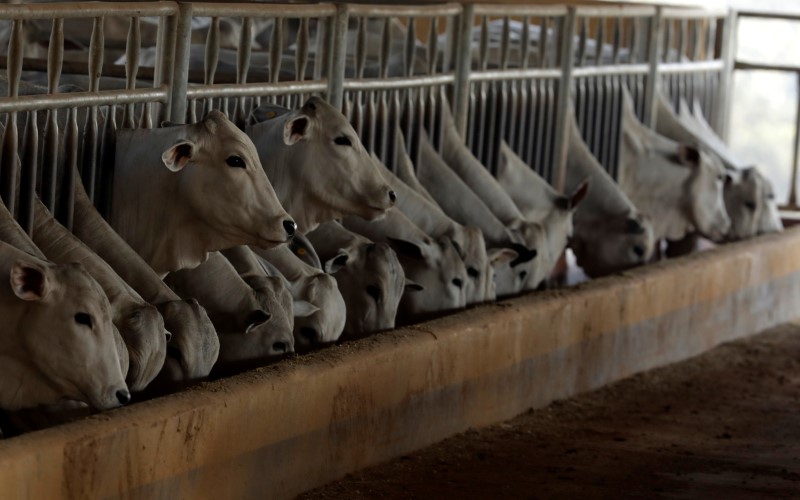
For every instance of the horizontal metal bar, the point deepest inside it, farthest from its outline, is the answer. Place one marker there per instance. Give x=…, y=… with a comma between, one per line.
x=70, y=10
x=82, y=99
x=493, y=9
x=766, y=67
x=768, y=15
x=694, y=13
x=398, y=82
x=515, y=74
x=255, y=89
x=616, y=11
x=378, y=11
x=263, y=10
x=611, y=70
x=691, y=67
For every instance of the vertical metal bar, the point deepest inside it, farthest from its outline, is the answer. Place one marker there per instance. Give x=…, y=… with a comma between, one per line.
x=461, y=88
x=562, y=96
x=211, y=59
x=27, y=188
x=243, y=66
x=796, y=157
x=180, y=68
x=652, y=84
x=90, y=141
x=338, y=59
x=66, y=206
x=10, y=166
x=55, y=58
x=727, y=50
x=132, y=48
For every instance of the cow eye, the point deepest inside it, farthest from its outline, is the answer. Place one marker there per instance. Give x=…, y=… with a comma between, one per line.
x=751, y=205
x=374, y=292
x=83, y=319
x=343, y=140
x=472, y=272
x=771, y=196
x=235, y=161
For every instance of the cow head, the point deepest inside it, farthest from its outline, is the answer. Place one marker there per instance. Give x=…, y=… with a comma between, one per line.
x=319, y=312
x=146, y=338
x=608, y=243
x=372, y=282
x=750, y=202
x=193, y=347
x=437, y=267
x=325, y=163
x=706, y=191
x=67, y=332
x=223, y=185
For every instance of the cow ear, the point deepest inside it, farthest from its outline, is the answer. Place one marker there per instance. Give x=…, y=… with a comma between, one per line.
x=524, y=254
x=296, y=130
x=688, y=155
x=412, y=286
x=303, y=309
x=579, y=194
x=407, y=248
x=176, y=157
x=29, y=281
x=257, y=318
x=500, y=256
x=337, y=262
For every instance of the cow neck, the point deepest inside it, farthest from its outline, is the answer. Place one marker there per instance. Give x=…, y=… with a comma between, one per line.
x=420, y=210
x=456, y=198
x=605, y=195
x=476, y=176
x=290, y=266
x=13, y=234
x=62, y=247
x=93, y=230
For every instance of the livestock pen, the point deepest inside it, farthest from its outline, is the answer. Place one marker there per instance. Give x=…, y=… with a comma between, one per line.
x=507, y=72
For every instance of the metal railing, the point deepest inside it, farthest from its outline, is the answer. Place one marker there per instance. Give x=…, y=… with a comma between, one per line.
x=739, y=65
x=506, y=70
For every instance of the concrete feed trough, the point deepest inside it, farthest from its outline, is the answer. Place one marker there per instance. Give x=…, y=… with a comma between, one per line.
x=281, y=430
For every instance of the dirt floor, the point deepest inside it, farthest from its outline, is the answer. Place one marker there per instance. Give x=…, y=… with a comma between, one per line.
x=723, y=425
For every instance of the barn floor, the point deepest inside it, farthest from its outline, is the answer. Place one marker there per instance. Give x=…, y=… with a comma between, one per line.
x=722, y=425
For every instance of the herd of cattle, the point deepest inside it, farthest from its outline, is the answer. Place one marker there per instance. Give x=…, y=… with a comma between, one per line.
x=227, y=249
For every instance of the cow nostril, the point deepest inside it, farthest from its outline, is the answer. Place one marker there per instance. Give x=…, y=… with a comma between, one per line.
x=168, y=335
x=310, y=335
x=279, y=347
x=123, y=396
x=638, y=250
x=458, y=282
x=392, y=196
x=290, y=227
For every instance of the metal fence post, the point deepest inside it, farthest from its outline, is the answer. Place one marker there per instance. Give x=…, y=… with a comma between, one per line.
x=463, y=69
x=180, y=67
x=654, y=39
x=720, y=120
x=338, y=57
x=566, y=56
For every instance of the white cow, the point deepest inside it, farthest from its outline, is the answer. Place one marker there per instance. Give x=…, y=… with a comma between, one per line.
x=610, y=234
x=539, y=202
x=368, y=274
x=322, y=320
x=463, y=205
x=139, y=323
x=319, y=167
x=749, y=196
x=468, y=240
x=183, y=191
x=237, y=312
x=57, y=333
x=679, y=186
x=432, y=263
x=194, y=346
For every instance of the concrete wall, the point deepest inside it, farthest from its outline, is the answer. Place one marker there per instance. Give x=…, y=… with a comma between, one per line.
x=280, y=430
